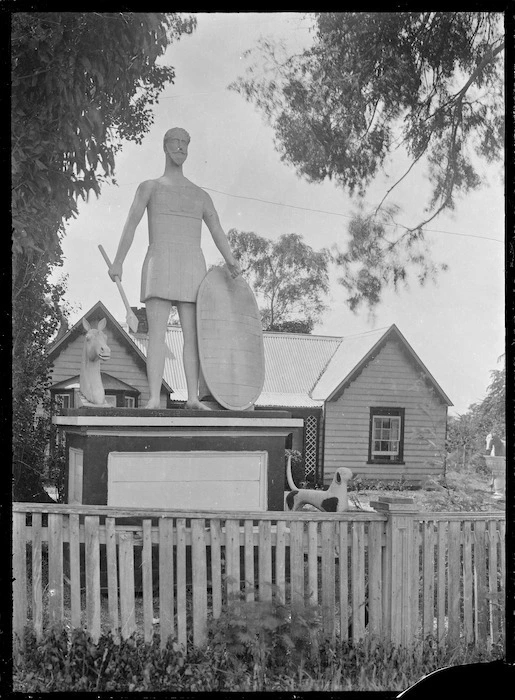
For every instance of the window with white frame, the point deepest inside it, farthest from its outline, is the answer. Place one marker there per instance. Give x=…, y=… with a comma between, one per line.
x=129, y=402
x=110, y=399
x=386, y=442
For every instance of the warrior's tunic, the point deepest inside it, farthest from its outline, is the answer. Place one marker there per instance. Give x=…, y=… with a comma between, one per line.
x=174, y=265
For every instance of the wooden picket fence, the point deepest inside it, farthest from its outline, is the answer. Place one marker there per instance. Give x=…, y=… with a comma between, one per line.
x=394, y=573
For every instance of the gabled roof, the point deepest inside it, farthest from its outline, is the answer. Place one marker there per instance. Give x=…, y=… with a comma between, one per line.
x=355, y=352
x=109, y=383
x=97, y=312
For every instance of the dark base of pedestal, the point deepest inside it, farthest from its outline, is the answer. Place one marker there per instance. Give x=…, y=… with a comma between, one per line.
x=176, y=459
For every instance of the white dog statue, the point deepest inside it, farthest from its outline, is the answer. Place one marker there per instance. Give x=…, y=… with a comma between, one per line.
x=334, y=500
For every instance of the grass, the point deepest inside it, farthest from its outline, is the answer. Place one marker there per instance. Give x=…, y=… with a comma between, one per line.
x=271, y=658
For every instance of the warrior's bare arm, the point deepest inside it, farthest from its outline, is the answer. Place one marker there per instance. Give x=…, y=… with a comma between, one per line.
x=212, y=221
x=136, y=212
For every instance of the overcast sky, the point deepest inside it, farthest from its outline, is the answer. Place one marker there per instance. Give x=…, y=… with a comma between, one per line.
x=455, y=326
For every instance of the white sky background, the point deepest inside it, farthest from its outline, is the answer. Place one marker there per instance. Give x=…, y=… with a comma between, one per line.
x=455, y=326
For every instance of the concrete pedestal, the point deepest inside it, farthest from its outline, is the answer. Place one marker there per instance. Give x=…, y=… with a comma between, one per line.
x=498, y=467
x=176, y=459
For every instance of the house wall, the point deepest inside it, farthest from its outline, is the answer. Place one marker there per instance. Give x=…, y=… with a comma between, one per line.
x=389, y=380
x=122, y=364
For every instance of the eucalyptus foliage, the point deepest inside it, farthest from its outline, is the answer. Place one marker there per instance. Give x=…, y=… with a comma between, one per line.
x=371, y=83
x=466, y=433
x=289, y=278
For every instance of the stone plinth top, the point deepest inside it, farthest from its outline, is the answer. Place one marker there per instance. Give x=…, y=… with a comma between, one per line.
x=167, y=418
x=166, y=413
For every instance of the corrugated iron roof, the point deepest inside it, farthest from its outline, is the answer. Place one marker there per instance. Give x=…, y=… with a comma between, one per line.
x=279, y=399
x=293, y=364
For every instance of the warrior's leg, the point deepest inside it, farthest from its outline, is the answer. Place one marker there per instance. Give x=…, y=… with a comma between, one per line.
x=188, y=316
x=158, y=311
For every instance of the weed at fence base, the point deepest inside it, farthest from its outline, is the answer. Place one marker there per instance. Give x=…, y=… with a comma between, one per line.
x=65, y=661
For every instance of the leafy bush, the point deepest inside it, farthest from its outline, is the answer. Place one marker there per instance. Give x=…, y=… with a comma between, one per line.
x=62, y=662
x=402, y=484
x=268, y=636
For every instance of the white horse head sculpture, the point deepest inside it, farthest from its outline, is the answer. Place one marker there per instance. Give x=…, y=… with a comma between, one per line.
x=495, y=446
x=95, y=350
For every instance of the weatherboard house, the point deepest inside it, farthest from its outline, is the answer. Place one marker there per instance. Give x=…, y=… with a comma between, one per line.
x=367, y=401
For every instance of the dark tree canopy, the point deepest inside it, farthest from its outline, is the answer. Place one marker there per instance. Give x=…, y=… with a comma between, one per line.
x=372, y=82
x=81, y=82
x=289, y=278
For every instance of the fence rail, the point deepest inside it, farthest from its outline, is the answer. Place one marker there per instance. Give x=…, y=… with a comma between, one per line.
x=397, y=574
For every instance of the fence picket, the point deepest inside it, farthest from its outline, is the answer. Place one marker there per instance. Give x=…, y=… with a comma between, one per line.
x=182, y=633
x=328, y=583
x=112, y=577
x=166, y=582
x=265, y=560
x=74, y=551
x=216, y=567
x=454, y=596
x=428, y=578
x=416, y=573
x=375, y=575
x=468, y=615
x=199, y=581
x=20, y=580
x=127, y=597
x=37, y=576
x=297, y=564
x=146, y=576
x=232, y=557
x=343, y=569
x=92, y=555
x=250, y=583
x=312, y=592
x=480, y=581
x=280, y=561
x=502, y=572
x=440, y=593
x=386, y=562
x=358, y=581
x=492, y=582
x=55, y=569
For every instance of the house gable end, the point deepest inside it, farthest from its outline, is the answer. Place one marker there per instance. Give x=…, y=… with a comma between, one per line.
x=392, y=334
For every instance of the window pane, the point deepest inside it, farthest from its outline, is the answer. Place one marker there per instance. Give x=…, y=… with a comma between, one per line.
x=386, y=436
x=63, y=400
x=111, y=400
x=129, y=402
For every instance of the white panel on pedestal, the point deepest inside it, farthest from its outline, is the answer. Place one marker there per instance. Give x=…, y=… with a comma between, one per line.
x=75, y=474
x=199, y=480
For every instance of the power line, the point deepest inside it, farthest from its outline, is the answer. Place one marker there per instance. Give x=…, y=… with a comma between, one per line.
x=333, y=213
x=346, y=216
